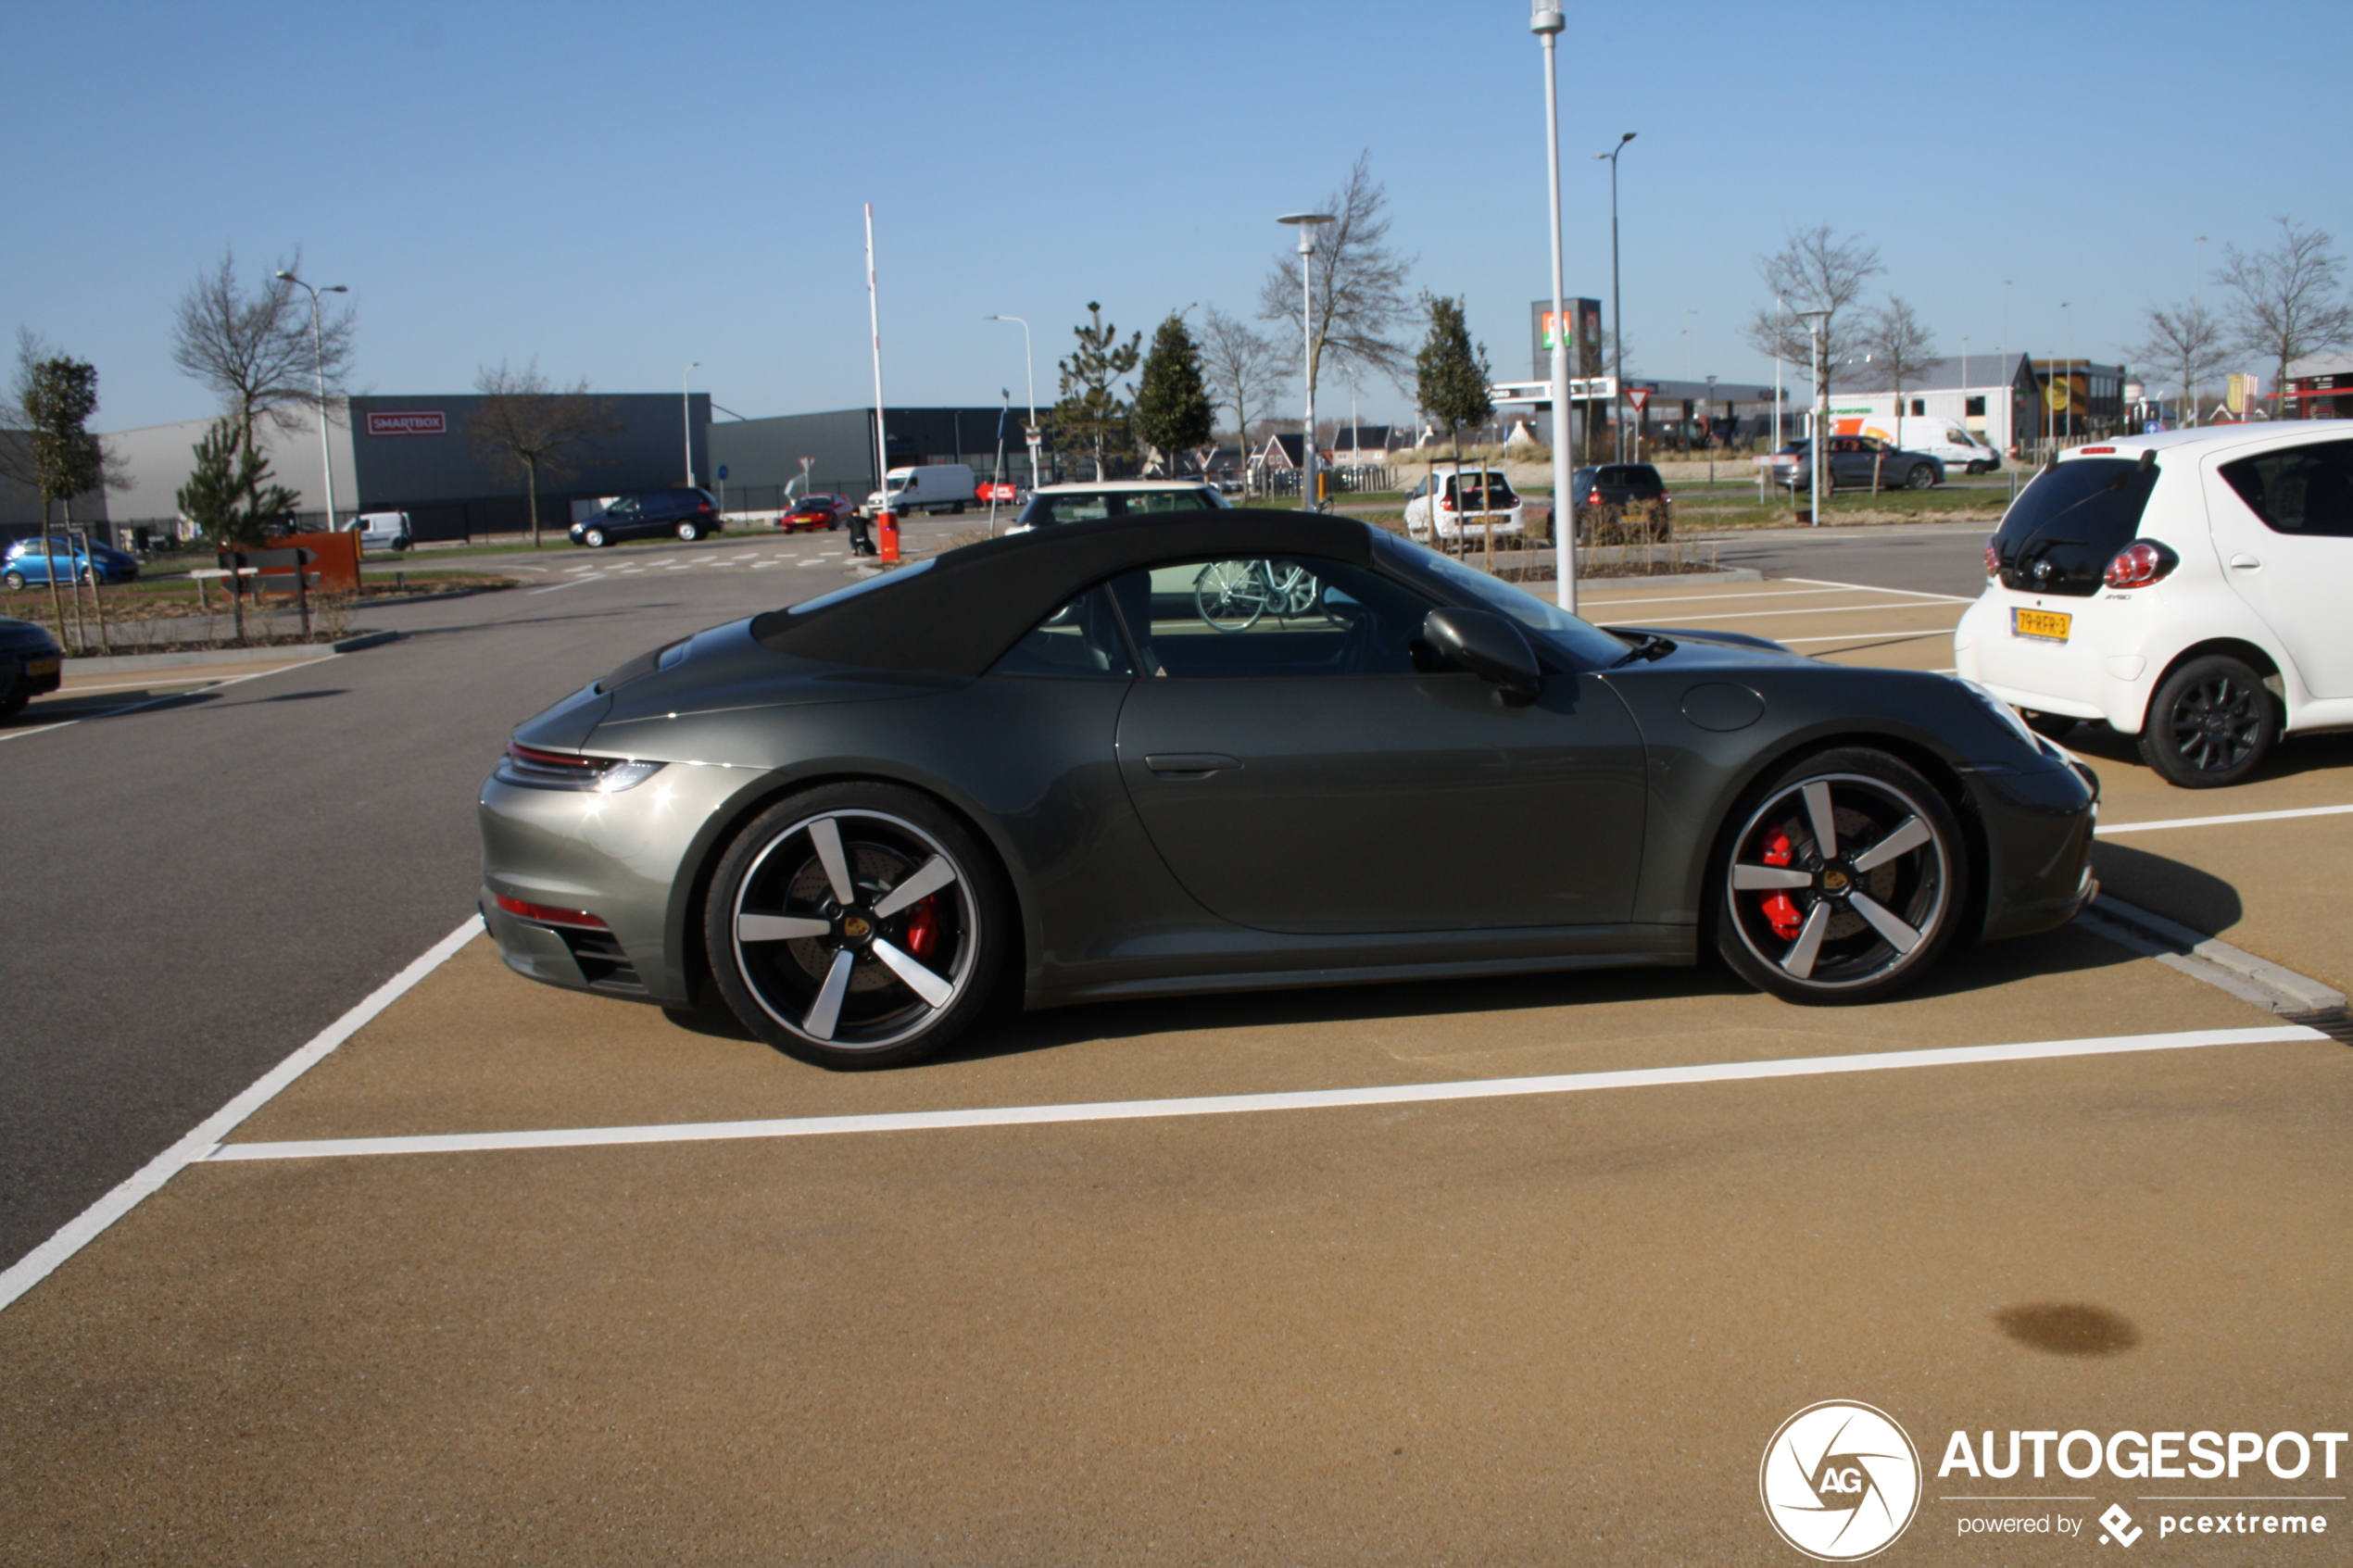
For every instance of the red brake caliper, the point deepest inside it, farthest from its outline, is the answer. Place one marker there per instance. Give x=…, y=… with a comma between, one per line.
x=1778, y=912
x=922, y=927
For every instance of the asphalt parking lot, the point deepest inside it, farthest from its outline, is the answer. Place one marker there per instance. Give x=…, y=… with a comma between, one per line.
x=1524, y=1271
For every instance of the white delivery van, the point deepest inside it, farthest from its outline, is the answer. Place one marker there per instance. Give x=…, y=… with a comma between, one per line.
x=381, y=531
x=1942, y=439
x=935, y=487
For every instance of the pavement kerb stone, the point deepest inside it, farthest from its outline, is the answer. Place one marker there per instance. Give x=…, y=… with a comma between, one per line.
x=2266, y=984
x=137, y=661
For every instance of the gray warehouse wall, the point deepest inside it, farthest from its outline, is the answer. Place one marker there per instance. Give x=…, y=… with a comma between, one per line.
x=437, y=460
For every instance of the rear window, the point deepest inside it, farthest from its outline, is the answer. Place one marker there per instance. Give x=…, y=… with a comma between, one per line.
x=2303, y=490
x=2065, y=527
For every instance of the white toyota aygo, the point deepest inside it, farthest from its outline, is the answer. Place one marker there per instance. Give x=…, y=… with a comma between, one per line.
x=2194, y=589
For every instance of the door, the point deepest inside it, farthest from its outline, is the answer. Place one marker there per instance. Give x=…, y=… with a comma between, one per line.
x=1297, y=773
x=2282, y=525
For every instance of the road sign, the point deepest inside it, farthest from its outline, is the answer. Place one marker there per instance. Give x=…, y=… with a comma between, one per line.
x=1640, y=397
x=723, y=473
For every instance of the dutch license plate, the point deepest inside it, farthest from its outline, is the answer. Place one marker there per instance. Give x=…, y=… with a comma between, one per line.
x=41, y=666
x=2044, y=626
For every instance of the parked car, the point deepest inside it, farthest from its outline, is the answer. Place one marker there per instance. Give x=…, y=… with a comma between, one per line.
x=1059, y=761
x=1855, y=462
x=1467, y=502
x=2186, y=588
x=689, y=514
x=928, y=488
x=1603, y=491
x=821, y=510
x=27, y=562
x=1053, y=504
x=381, y=531
x=30, y=663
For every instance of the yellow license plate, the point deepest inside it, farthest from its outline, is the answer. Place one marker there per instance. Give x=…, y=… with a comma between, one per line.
x=2045, y=625
x=41, y=666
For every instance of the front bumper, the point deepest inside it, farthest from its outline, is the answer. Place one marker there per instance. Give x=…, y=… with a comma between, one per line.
x=2038, y=832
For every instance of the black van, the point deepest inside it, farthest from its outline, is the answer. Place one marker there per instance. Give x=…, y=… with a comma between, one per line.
x=689, y=514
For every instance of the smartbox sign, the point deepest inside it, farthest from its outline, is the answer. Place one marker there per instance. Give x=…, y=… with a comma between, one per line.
x=408, y=421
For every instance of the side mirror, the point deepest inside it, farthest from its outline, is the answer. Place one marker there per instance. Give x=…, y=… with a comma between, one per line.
x=1490, y=646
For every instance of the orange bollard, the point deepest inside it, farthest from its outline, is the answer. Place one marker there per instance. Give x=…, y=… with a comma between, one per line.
x=886, y=535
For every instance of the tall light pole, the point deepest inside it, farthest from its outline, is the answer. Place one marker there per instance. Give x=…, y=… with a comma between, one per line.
x=1306, y=223
x=1029, y=365
x=318, y=364
x=1616, y=311
x=1781, y=311
x=1814, y=320
x=1545, y=21
x=2068, y=306
x=2197, y=293
x=2010, y=392
x=687, y=418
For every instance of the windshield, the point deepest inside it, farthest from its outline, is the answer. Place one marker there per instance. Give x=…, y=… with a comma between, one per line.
x=826, y=601
x=1589, y=646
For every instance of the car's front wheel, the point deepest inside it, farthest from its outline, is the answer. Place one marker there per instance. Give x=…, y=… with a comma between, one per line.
x=855, y=926
x=593, y=537
x=1920, y=477
x=1841, y=880
x=2210, y=724
x=14, y=579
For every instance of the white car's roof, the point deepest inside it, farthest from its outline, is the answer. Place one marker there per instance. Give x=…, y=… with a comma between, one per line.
x=1128, y=486
x=2217, y=438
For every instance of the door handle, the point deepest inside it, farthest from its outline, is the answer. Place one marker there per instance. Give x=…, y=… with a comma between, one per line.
x=2243, y=562
x=1190, y=764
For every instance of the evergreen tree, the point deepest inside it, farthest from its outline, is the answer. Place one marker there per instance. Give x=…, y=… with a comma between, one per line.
x=1450, y=382
x=1173, y=408
x=1091, y=414
x=231, y=496
x=58, y=395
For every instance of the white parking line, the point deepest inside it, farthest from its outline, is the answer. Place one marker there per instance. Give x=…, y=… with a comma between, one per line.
x=2105, y=829
x=1223, y=1105
x=1760, y=614
x=559, y=588
x=1738, y=598
x=1851, y=636
x=167, y=696
x=1865, y=587
x=84, y=1227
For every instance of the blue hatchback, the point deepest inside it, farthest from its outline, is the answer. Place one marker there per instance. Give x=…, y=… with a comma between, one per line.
x=26, y=562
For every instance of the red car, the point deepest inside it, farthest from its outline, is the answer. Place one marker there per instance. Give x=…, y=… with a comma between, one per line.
x=815, y=512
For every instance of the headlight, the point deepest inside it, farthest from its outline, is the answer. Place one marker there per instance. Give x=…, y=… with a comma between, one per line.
x=2008, y=716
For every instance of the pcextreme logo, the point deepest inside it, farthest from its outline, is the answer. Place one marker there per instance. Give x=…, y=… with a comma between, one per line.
x=1840, y=1481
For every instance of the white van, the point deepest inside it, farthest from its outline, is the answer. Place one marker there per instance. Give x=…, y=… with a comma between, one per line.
x=1941, y=439
x=381, y=531
x=935, y=487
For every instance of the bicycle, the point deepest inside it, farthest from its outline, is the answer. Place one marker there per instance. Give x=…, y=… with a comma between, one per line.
x=1233, y=595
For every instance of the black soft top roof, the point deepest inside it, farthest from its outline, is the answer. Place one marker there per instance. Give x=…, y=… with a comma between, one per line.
x=959, y=616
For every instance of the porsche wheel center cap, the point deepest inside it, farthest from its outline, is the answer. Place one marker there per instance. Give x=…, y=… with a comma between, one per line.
x=1835, y=881
x=857, y=927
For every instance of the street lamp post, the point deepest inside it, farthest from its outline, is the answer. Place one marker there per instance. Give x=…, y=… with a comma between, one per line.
x=1545, y=21
x=1029, y=365
x=1616, y=311
x=1306, y=223
x=687, y=418
x=1710, y=427
x=318, y=364
x=1814, y=320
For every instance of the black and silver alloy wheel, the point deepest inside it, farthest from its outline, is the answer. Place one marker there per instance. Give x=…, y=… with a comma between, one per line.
x=854, y=926
x=1842, y=882
x=2210, y=724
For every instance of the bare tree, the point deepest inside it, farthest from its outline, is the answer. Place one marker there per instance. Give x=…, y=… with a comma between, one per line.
x=1814, y=270
x=2290, y=298
x=1359, y=287
x=539, y=428
x=1244, y=367
x=1896, y=349
x=254, y=351
x=2185, y=340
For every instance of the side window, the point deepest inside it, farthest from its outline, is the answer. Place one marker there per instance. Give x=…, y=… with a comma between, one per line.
x=1081, y=639
x=625, y=506
x=2306, y=490
x=1232, y=619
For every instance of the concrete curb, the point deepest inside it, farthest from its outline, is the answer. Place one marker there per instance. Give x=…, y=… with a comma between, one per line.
x=2259, y=981
x=135, y=661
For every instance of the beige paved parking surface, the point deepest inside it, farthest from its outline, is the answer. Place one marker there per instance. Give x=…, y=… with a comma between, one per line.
x=1556, y=1328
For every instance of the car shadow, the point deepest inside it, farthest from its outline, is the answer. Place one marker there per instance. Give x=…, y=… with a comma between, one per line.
x=2330, y=749
x=2198, y=899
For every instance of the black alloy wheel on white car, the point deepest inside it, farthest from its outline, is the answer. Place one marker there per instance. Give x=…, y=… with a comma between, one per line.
x=2212, y=724
x=1842, y=878
x=855, y=926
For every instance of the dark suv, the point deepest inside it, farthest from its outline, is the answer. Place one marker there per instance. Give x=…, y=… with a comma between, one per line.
x=689, y=514
x=1604, y=491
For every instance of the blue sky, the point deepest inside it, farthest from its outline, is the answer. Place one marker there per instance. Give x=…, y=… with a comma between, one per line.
x=621, y=189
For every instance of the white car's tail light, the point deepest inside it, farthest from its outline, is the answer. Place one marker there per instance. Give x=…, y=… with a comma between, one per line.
x=534, y=769
x=1993, y=558
x=2140, y=563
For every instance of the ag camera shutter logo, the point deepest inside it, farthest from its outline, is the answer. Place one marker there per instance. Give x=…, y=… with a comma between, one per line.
x=1840, y=1481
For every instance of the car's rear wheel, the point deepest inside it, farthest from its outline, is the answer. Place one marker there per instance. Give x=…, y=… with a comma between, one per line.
x=1841, y=880
x=2210, y=724
x=690, y=531
x=1920, y=477
x=855, y=926
x=593, y=537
